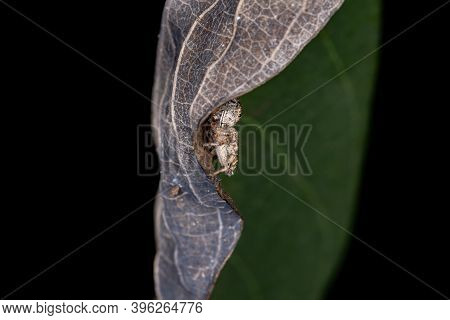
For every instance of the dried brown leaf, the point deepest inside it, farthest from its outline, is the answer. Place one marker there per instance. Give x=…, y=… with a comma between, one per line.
x=209, y=52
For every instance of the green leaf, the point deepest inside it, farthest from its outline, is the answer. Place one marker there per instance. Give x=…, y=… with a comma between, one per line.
x=287, y=249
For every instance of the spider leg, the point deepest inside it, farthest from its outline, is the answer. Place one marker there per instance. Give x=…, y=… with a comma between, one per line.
x=211, y=144
x=224, y=169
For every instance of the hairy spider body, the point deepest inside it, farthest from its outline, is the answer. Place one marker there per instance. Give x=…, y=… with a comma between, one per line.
x=224, y=137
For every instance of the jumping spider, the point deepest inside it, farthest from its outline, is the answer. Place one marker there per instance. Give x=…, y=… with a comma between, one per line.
x=222, y=137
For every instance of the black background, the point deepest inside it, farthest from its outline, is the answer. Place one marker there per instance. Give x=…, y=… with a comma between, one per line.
x=68, y=133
